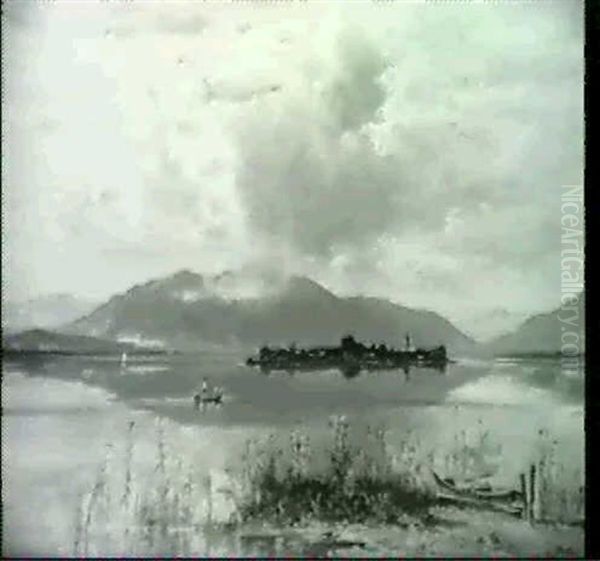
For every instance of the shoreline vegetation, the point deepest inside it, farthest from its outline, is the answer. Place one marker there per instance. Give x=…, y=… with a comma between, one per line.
x=41, y=342
x=351, y=356
x=16, y=353
x=11, y=352
x=288, y=495
x=70, y=341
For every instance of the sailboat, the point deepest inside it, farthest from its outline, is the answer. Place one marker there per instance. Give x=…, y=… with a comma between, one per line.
x=123, y=360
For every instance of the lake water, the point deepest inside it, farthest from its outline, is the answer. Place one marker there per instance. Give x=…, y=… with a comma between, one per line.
x=64, y=416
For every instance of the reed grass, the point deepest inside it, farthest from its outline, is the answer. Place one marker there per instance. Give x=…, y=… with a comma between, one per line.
x=357, y=484
x=561, y=486
x=353, y=477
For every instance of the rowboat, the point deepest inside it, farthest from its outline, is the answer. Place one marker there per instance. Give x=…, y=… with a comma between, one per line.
x=510, y=502
x=508, y=495
x=216, y=399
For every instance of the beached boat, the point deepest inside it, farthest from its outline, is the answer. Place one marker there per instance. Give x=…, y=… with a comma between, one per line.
x=508, y=495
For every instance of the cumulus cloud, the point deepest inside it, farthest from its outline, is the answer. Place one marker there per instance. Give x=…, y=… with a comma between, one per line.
x=411, y=151
x=292, y=176
x=445, y=120
x=354, y=93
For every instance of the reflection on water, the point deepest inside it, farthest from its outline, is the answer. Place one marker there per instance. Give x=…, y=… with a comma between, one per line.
x=60, y=412
x=527, y=390
x=350, y=371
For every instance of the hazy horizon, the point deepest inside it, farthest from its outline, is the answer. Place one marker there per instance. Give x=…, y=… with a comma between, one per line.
x=482, y=328
x=414, y=152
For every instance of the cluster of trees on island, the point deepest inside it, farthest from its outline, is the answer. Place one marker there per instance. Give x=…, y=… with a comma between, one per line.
x=349, y=354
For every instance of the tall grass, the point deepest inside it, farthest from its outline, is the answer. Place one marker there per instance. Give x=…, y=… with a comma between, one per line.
x=94, y=510
x=284, y=484
x=165, y=513
x=561, y=487
x=472, y=455
x=160, y=514
x=352, y=476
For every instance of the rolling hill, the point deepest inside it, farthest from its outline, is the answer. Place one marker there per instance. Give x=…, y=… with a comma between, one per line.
x=541, y=333
x=43, y=341
x=188, y=311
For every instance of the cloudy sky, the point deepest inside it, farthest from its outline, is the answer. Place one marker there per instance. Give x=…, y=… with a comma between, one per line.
x=412, y=151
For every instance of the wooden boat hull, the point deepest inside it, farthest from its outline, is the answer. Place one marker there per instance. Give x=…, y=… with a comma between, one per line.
x=508, y=496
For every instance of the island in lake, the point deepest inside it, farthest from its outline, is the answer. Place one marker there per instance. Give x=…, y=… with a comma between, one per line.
x=351, y=356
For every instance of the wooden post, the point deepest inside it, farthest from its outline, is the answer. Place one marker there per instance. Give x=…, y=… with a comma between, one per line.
x=532, y=492
x=536, y=504
x=528, y=495
x=524, y=494
x=209, y=505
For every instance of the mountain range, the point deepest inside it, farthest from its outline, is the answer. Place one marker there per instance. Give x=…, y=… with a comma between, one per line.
x=189, y=311
x=185, y=311
x=542, y=333
x=44, y=341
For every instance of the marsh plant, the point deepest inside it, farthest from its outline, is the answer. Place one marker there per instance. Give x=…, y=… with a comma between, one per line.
x=560, y=487
x=352, y=476
x=93, y=511
x=473, y=455
x=354, y=484
x=158, y=514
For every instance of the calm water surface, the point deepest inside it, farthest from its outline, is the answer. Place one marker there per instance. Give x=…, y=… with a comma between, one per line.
x=62, y=414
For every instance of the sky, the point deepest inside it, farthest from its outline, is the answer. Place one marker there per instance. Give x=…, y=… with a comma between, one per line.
x=416, y=152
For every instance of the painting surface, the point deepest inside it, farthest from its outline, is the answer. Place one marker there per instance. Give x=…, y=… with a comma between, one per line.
x=292, y=278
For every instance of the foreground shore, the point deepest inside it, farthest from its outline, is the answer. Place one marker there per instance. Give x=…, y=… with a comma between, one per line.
x=57, y=457
x=451, y=533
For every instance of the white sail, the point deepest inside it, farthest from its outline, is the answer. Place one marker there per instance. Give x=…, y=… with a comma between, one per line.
x=124, y=359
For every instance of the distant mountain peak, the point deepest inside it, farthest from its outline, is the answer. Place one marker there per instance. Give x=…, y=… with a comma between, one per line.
x=185, y=275
x=182, y=280
x=186, y=309
x=305, y=287
x=541, y=333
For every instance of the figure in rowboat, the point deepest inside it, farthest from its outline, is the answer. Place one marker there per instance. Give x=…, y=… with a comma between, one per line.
x=202, y=397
